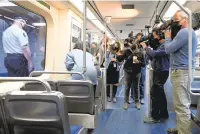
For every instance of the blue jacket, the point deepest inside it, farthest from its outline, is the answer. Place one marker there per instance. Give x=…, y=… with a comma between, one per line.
x=74, y=62
x=178, y=48
x=160, y=59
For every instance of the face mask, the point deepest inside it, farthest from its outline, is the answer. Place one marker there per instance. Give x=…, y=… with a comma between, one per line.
x=155, y=44
x=175, y=28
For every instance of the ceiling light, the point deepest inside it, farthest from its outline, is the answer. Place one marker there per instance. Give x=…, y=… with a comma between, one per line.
x=39, y=24
x=79, y=5
x=172, y=9
x=108, y=19
x=6, y=3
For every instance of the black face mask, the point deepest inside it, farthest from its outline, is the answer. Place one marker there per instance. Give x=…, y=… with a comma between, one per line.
x=175, y=28
x=155, y=44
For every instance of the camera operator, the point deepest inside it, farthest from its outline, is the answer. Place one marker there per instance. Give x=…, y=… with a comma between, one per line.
x=160, y=65
x=134, y=61
x=178, y=50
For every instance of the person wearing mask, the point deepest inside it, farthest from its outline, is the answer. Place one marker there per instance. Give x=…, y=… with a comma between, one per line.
x=177, y=47
x=134, y=61
x=160, y=65
x=93, y=48
x=112, y=71
x=143, y=71
x=18, y=61
x=74, y=62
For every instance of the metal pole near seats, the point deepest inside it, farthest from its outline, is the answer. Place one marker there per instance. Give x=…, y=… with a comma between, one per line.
x=148, y=84
x=189, y=47
x=84, y=35
x=55, y=72
x=14, y=79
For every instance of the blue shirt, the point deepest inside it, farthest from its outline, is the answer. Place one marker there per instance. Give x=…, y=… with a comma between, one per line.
x=160, y=59
x=74, y=62
x=178, y=49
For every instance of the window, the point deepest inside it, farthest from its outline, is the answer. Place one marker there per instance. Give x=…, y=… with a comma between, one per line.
x=35, y=29
x=197, y=59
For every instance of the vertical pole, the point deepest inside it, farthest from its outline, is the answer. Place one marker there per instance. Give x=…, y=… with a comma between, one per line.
x=189, y=46
x=84, y=35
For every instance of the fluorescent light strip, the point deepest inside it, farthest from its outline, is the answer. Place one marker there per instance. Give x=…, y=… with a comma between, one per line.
x=79, y=4
x=39, y=24
x=6, y=4
x=172, y=9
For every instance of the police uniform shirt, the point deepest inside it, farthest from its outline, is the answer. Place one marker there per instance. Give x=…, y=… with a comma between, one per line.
x=14, y=39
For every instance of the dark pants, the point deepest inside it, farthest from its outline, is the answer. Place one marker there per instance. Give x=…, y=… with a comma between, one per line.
x=158, y=98
x=16, y=65
x=94, y=87
x=114, y=91
x=132, y=79
x=142, y=81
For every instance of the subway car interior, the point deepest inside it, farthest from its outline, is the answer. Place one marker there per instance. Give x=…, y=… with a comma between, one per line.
x=48, y=100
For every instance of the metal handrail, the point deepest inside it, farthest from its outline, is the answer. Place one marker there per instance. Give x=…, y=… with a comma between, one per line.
x=189, y=46
x=55, y=72
x=43, y=82
x=84, y=35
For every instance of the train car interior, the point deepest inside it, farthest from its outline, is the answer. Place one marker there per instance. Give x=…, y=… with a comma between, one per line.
x=62, y=94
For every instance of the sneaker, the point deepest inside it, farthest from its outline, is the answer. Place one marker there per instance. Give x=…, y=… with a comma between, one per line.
x=164, y=118
x=142, y=101
x=151, y=120
x=172, y=131
x=137, y=105
x=131, y=100
x=125, y=106
x=109, y=99
x=114, y=100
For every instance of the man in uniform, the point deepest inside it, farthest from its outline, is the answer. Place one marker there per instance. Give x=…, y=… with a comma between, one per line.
x=16, y=47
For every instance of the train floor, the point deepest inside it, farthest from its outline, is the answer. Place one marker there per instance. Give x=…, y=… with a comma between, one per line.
x=116, y=120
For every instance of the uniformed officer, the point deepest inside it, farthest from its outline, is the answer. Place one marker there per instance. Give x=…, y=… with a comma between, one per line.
x=16, y=46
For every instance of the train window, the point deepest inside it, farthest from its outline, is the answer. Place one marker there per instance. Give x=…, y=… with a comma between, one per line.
x=197, y=59
x=35, y=28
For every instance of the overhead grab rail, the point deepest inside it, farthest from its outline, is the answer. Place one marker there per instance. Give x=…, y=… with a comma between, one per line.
x=55, y=72
x=189, y=46
x=14, y=79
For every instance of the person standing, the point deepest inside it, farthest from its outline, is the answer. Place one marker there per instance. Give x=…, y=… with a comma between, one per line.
x=177, y=47
x=160, y=65
x=16, y=46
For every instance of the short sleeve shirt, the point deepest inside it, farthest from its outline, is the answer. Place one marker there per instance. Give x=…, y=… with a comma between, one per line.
x=14, y=39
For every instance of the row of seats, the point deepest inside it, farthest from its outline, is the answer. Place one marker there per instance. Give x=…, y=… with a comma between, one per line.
x=25, y=112
x=30, y=112
x=79, y=94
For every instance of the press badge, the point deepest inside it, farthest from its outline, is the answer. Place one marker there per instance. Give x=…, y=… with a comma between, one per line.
x=114, y=65
x=134, y=58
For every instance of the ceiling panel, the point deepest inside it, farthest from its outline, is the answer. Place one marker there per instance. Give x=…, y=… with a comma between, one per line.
x=139, y=16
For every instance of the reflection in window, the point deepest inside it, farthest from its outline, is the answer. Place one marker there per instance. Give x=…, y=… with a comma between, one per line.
x=197, y=59
x=35, y=29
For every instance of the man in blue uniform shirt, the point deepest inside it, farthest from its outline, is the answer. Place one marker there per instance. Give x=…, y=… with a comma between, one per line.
x=16, y=47
x=160, y=65
x=178, y=50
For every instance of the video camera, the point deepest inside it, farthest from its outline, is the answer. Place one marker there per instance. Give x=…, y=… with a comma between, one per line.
x=149, y=39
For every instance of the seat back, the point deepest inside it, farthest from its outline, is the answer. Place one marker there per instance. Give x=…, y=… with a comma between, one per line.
x=36, y=86
x=37, y=113
x=79, y=96
x=3, y=122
